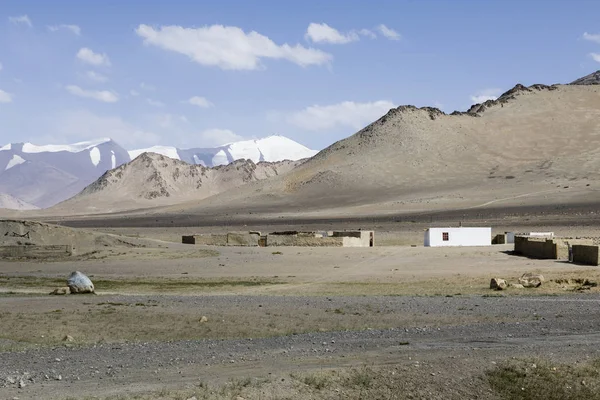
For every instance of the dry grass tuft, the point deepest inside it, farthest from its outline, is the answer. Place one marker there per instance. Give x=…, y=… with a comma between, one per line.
x=543, y=380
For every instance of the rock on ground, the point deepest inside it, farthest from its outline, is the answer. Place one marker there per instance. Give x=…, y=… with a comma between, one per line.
x=80, y=283
x=498, y=284
x=61, y=290
x=530, y=280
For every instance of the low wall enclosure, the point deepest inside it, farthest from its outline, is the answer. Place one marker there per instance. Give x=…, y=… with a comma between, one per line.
x=358, y=238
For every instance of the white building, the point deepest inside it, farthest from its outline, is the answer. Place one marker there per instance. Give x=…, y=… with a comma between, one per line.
x=435, y=237
x=541, y=234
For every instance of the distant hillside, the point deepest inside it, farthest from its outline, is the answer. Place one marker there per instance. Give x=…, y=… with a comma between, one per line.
x=153, y=179
x=12, y=203
x=532, y=144
x=46, y=175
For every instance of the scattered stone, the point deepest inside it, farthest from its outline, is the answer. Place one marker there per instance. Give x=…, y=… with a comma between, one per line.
x=590, y=283
x=193, y=398
x=203, y=319
x=61, y=290
x=530, y=280
x=80, y=283
x=517, y=286
x=498, y=284
x=68, y=338
x=21, y=384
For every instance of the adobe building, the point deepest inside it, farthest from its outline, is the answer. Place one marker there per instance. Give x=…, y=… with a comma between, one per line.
x=357, y=238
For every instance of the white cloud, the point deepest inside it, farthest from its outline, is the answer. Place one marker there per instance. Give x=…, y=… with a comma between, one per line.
x=96, y=77
x=485, y=95
x=155, y=103
x=5, y=97
x=201, y=102
x=88, y=56
x=323, y=33
x=228, y=47
x=592, y=37
x=368, y=33
x=22, y=19
x=218, y=137
x=1, y=67
x=84, y=125
x=134, y=92
x=100, y=95
x=389, y=32
x=348, y=114
x=75, y=29
x=595, y=56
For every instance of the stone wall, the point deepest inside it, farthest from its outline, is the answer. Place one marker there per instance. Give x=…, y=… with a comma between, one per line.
x=535, y=247
x=586, y=254
x=243, y=238
x=291, y=238
x=207, y=240
x=499, y=239
x=301, y=240
x=35, y=251
x=547, y=248
x=355, y=238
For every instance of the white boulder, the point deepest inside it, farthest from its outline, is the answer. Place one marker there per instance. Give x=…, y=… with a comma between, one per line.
x=80, y=283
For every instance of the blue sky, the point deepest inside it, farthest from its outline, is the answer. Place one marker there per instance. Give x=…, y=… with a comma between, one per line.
x=199, y=73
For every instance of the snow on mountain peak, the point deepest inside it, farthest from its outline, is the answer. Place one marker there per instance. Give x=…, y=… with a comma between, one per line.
x=47, y=174
x=12, y=203
x=71, y=148
x=168, y=151
x=271, y=148
x=15, y=160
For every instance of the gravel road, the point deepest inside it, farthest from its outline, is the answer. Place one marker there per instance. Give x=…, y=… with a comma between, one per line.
x=548, y=326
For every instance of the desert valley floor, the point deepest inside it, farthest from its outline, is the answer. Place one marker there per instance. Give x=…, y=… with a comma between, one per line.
x=390, y=322
x=395, y=321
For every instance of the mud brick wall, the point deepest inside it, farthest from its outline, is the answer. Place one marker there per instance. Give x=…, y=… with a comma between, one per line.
x=586, y=254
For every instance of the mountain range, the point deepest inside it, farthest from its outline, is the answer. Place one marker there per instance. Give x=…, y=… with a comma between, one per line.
x=152, y=180
x=42, y=176
x=534, y=145
x=537, y=144
x=271, y=149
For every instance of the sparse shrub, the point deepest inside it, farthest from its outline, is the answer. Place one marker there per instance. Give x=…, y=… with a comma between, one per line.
x=361, y=378
x=316, y=381
x=537, y=380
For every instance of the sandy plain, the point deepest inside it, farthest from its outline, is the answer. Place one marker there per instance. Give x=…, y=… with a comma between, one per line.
x=392, y=322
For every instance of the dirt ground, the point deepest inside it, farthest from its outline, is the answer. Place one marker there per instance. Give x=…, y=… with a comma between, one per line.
x=383, y=322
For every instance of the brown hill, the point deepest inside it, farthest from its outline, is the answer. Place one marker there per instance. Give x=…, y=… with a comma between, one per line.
x=533, y=145
x=152, y=180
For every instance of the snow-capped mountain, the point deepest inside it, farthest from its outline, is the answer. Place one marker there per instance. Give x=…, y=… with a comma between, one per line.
x=46, y=175
x=12, y=203
x=49, y=174
x=271, y=149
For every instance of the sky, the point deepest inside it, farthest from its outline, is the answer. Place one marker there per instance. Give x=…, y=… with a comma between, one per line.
x=201, y=74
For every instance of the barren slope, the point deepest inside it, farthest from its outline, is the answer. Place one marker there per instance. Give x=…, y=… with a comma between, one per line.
x=523, y=148
x=153, y=180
